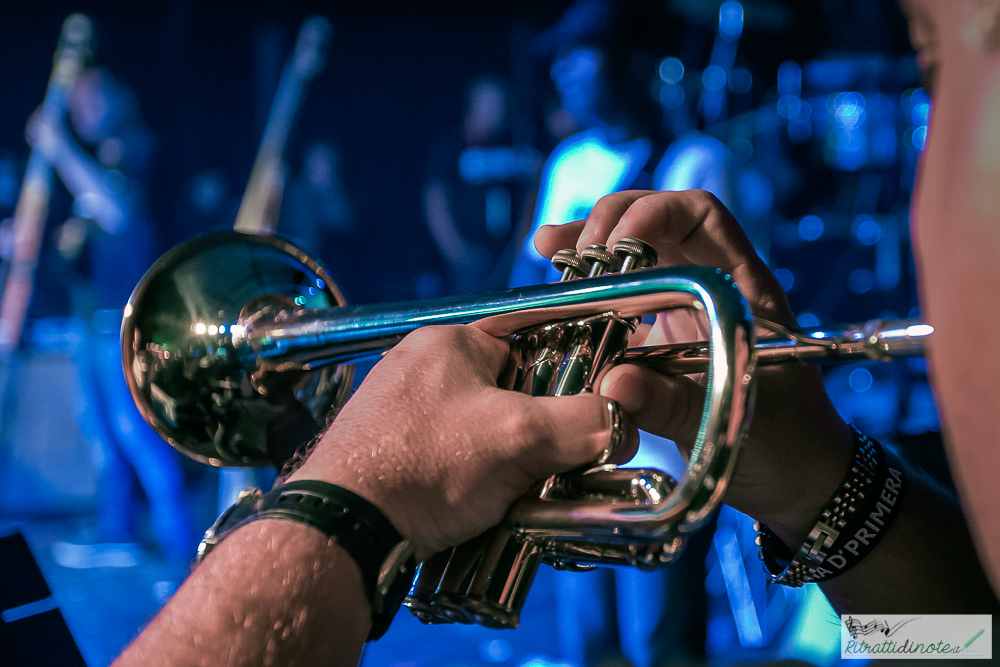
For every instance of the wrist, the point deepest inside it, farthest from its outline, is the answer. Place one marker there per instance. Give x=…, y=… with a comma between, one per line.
x=383, y=558
x=849, y=526
x=815, y=484
x=382, y=495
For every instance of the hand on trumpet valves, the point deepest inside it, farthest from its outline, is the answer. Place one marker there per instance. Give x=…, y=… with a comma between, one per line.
x=433, y=440
x=798, y=449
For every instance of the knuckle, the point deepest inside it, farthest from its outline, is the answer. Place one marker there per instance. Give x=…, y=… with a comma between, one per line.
x=484, y=342
x=607, y=202
x=705, y=198
x=643, y=205
x=520, y=426
x=421, y=335
x=426, y=342
x=435, y=333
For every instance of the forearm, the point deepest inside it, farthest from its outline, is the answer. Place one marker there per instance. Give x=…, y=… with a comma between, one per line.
x=925, y=562
x=272, y=593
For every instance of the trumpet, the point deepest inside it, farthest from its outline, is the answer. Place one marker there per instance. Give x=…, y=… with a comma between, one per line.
x=238, y=347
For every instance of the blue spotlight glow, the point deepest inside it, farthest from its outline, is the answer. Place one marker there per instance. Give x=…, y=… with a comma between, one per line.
x=672, y=95
x=810, y=228
x=785, y=278
x=714, y=77
x=740, y=80
x=789, y=79
x=807, y=320
x=861, y=281
x=731, y=19
x=848, y=109
x=860, y=380
x=496, y=650
x=914, y=98
x=866, y=230
x=737, y=587
x=789, y=106
x=543, y=661
x=671, y=70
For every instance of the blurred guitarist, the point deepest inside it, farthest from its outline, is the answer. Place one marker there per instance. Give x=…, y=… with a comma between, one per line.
x=262, y=198
x=102, y=156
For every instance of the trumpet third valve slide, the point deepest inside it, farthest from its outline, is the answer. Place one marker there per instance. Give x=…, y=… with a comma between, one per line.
x=237, y=346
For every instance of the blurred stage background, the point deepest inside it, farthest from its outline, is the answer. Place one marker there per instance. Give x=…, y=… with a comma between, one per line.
x=810, y=117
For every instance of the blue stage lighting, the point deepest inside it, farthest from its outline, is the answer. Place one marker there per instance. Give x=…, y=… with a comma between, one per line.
x=714, y=77
x=860, y=380
x=671, y=70
x=731, y=19
x=785, y=278
x=861, y=281
x=810, y=228
x=866, y=230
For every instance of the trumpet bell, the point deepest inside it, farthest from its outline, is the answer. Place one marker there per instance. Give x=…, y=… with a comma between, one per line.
x=193, y=382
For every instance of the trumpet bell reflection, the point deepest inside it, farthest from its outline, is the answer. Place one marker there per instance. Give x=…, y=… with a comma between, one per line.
x=202, y=391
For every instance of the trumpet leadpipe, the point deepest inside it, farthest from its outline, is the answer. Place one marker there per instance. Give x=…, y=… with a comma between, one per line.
x=875, y=340
x=346, y=334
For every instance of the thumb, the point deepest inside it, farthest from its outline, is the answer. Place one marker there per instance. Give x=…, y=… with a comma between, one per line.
x=571, y=431
x=668, y=406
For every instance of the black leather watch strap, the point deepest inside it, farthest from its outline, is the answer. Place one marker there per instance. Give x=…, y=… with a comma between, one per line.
x=385, y=560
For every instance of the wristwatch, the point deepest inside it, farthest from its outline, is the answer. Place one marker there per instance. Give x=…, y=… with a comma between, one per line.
x=384, y=558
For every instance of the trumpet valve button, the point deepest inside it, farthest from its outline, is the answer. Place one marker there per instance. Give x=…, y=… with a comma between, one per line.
x=570, y=264
x=635, y=254
x=600, y=259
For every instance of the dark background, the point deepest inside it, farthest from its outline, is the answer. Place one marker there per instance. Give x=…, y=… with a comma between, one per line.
x=205, y=74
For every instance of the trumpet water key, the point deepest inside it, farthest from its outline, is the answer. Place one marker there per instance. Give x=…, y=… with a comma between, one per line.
x=237, y=347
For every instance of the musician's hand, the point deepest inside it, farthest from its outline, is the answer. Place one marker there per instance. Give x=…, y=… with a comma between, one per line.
x=799, y=448
x=441, y=450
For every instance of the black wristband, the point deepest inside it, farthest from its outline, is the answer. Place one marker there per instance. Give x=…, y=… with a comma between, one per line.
x=384, y=559
x=849, y=527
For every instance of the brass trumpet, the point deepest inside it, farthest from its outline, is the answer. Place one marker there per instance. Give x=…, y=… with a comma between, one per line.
x=237, y=348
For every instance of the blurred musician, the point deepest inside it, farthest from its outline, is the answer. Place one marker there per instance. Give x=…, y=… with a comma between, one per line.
x=316, y=204
x=108, y=243
x=476, y=195
x=622, y=141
